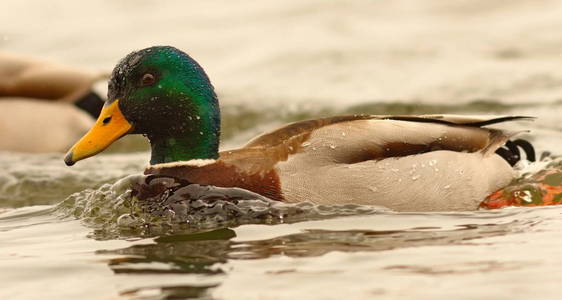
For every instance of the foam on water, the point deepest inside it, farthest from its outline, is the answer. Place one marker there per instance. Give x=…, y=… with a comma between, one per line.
x=114, y=211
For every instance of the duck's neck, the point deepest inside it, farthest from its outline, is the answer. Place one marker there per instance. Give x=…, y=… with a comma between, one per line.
x=199, y=141
x=180, y=149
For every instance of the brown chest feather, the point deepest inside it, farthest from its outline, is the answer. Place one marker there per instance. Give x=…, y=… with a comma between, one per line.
x=265, y=182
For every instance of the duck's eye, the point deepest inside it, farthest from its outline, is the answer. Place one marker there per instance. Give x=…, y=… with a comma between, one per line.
x=147, y=79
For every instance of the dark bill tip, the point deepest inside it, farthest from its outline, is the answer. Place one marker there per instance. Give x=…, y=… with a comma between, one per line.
x=68, y=159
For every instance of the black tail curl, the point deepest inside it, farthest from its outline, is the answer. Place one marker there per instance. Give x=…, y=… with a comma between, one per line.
x=511, y=153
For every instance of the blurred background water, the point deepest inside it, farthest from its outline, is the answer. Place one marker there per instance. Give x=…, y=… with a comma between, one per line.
x=273, y=62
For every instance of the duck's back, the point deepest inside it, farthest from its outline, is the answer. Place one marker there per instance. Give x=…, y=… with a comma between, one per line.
x=30, y=78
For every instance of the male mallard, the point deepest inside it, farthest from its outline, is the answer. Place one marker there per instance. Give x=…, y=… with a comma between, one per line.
x=44, y=107
x=406, y=163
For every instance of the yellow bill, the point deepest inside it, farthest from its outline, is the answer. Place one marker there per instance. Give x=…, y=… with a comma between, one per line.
x=110, y=126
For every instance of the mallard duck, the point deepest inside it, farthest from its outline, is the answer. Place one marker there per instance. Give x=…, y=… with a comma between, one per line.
x=44, y=107
x=405, y=163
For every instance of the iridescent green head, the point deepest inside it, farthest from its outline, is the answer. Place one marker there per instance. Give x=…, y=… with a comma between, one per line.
x=162, y=93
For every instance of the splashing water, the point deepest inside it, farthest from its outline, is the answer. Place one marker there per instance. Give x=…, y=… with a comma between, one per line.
x=139, y=205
